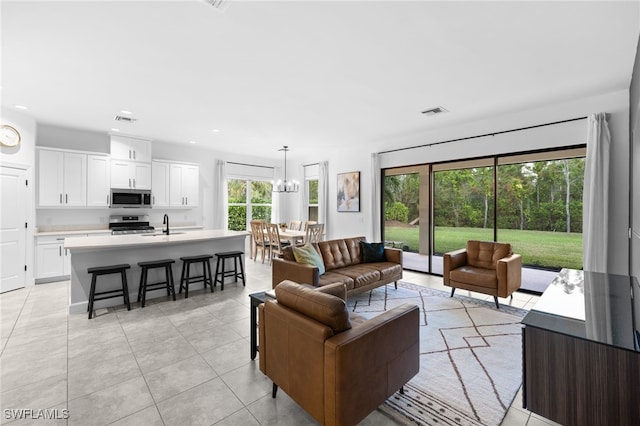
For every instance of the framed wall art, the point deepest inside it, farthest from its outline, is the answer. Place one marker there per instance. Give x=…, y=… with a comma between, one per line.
x=349, y=192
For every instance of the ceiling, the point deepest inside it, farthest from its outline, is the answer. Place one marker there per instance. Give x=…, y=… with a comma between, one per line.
x=303, y=73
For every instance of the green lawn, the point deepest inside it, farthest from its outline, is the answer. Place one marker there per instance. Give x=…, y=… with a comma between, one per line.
x=538, y=248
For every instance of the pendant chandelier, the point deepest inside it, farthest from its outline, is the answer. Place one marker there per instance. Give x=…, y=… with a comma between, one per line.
x=285, y=186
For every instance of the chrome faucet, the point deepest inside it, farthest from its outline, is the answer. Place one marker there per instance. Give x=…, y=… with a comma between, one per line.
x=165, y=221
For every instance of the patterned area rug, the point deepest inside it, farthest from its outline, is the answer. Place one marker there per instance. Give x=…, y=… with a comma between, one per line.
x=470, y=356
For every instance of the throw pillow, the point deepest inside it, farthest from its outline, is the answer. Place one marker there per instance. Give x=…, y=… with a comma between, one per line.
x=372, y=252
x=309, y=256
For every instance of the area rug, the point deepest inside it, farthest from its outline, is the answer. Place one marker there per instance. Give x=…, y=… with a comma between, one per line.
x=470, y=356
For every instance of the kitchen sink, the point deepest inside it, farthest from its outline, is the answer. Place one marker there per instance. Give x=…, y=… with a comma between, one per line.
x=162, y=235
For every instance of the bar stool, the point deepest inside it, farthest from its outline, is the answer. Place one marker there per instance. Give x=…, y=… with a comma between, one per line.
x=168, y=283
x=105, y=270
x=186, y=279
x=220, y=276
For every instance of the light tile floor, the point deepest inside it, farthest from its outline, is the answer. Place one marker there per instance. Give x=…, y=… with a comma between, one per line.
x=170, y=363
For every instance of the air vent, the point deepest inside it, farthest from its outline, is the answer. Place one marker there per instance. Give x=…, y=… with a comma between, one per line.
x=124, y=119
x=218, y=4
x=434, y=111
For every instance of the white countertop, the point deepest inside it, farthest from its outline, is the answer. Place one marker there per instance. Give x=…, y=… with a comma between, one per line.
x=133, y=240
x=103, y=231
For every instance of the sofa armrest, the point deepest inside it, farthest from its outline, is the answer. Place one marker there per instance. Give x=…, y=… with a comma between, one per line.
x=509, y=273
x=368, y=363
x=289, y=270
x=451, y=261
x=393, y=255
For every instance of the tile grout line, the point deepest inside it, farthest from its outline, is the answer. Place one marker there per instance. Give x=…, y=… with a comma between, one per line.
x=16, y=321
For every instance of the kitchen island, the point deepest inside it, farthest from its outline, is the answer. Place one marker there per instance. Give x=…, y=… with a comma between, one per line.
x=103, y=250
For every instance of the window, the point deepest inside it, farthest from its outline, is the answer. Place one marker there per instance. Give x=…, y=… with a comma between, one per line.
x=312, y=201
x=248, y=200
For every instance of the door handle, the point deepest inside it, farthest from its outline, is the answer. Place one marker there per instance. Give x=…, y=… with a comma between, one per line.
x=134, y=154
x=134, y=183
x=129, y=154
x=59, y=250
x=153, y=197
x=129, y=182
x=60, y=198
x=107, y=200
x=186, y=201
x=66, y=198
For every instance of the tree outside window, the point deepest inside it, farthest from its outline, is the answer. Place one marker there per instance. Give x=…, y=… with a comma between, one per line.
x=248, y=200
x=312, y=201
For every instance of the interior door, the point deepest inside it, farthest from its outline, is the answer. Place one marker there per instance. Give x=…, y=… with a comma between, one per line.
x=13, y=233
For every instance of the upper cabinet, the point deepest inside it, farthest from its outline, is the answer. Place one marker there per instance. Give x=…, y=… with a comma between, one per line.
x=131, y=149
x=62, y=179
x=98, y=180
x=130, y=175
x=175, y=184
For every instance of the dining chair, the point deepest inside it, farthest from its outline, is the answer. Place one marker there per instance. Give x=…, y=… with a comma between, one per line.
x=307, y=223
x=260, y=239
x=295, y=225
x=275, y=244
x=314, y=233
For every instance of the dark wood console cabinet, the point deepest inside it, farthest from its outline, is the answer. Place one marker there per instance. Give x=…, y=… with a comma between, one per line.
x=581, y=351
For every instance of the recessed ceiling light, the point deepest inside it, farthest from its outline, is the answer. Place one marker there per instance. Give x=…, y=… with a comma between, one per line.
x=124, y=111
x=193, y=142
x=20, y=106
x=215, y=130
x=115, y=130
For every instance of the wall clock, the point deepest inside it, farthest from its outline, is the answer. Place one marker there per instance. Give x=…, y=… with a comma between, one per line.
x=9, y=136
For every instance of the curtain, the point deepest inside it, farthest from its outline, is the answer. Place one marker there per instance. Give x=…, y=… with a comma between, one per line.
x=376, y=176
x=323, y=196
x=303, y=199
x=275, y=198
x=595, y=213
x=220, y=201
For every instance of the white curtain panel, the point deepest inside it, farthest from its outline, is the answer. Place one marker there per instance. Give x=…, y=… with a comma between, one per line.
x=220, y=201
x=323, y=196
x=376, y=176
x=275, y=197
x=595, y=214
x=303, y=199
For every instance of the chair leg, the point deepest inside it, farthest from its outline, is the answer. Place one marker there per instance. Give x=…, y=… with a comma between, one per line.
x=92, y=295
x=395, y=284
x=210, y=278
x=170, y=282
x=453, y=290
x=125, y=289
x=401, y=390
x=242, y=273
x=495, y=299
x=274, y=390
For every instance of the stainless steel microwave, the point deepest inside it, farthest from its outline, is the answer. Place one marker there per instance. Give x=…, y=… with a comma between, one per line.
x=130, y=198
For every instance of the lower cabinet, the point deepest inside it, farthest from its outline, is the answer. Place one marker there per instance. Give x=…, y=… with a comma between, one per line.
x=52, y=259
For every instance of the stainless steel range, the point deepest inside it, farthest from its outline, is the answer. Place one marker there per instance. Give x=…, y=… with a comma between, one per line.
x=130, y=224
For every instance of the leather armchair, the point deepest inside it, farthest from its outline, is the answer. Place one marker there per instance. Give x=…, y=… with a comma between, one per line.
x=337, y=372
x=485, y=267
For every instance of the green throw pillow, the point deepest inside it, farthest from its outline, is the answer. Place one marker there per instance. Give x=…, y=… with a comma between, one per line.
x=372, y=252
x=309, y=256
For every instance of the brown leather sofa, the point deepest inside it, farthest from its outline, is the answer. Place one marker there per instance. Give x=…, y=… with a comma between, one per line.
x=484, y=266
x=338, y=372
x=342, y=259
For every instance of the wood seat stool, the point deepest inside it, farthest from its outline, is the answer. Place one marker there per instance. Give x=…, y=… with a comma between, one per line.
x=221, y=275
x=186, y=278
x=166, y=284
x=102, y=295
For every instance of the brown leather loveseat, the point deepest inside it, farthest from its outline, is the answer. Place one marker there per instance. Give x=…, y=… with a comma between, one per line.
x=343, y=261
x=484, y=266
x=338, y=372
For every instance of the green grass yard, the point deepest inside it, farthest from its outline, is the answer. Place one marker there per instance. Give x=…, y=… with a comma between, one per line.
x=538, y=248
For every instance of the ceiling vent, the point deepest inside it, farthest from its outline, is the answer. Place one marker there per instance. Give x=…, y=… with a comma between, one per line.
x=125, y=119
x=434, y=111
x=218, y=4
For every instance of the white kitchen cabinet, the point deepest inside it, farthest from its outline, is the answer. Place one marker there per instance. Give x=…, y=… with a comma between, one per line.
x=160, y=184
x=62, y=179
x=130, y=175
x=132, y=149
x=98, y=180
x=52, y=260
x=184, y=185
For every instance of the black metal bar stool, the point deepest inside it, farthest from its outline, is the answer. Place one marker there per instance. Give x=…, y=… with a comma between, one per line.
x=221, y=275
x=167, y=284
x=186, y=278
x=102, y=295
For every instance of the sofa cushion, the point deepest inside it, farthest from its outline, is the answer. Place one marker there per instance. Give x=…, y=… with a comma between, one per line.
x=331, y=277
x=308, y=255
x=372, y=252
x=362, y=274
x=387, y=269
x=322, y=307
x=340, y=253
x=485, y=254
x=473, y=275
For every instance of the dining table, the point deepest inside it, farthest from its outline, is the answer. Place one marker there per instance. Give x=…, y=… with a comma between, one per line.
x=291, y=235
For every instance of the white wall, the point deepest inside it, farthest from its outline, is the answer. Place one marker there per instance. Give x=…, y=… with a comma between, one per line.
x=616, y=104
x=23, y=157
